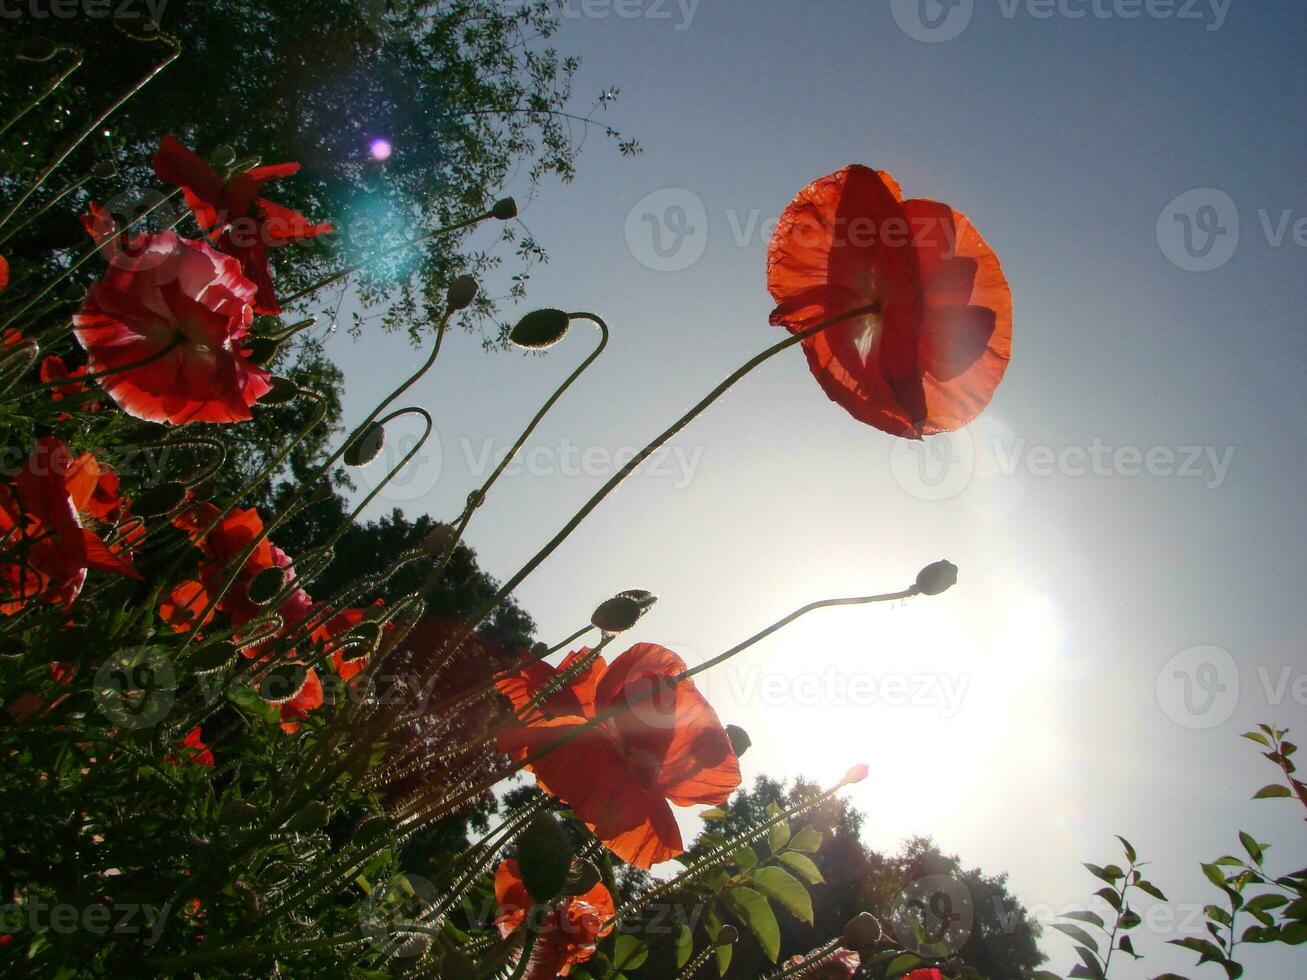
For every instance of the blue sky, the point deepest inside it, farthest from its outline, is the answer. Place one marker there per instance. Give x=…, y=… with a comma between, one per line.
x=1127, y=515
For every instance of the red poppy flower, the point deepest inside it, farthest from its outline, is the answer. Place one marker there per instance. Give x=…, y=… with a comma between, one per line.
x=619, y=776
x=4, y=273
x=330, y=634
x=47, y=550
x=193, y=750
x=570, y=928
x=931, y=974
x=239, y=221
x=179, y=312
x=306, y=700
x=933, y=348
x=95, y=489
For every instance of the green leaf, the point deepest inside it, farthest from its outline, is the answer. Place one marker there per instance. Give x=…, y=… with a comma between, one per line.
x=1148, y=888
x=778, y=836
x=1273, y=791
x=716, y=813
x=629, y=953
x=1110, y=896
x=1214, y=874
x=1129, y=849
x=1111, y=874
x=782, y=887
x=903, y=964
x=808, y=839
x=1254, y=849
x=1093, y=918
x=744, y=857
x=801, y=865
x=684, y=946
x=1257, y=737
x=752, y=909
x=1093, y=968
x=1076, y=933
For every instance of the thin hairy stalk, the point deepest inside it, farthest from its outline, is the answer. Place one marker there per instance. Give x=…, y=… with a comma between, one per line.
x=49, y=90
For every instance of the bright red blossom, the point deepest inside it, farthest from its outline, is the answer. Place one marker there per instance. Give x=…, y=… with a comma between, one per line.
x=192, y=750
x=232, y=213
x=568, y=931
x=172, y=322
x=620, y=775
x=47, y=550
x=937, y=335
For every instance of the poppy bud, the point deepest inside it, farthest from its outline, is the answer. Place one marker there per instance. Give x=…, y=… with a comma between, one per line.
x=261, y=350
x=282, y=391
x=505, y=210
x=462, y=291
x=213, y=656
x=544, y=855
x=159, y=500
x=282, y=682
x=365, y=448
x=238, y=811
x=936, y=578
x=105, y=168
x=438, y=539
x=862, y=931
x=728, y=936
x=265, y=586
x=224, y=156
x=540, y=329
x=740, y=740
x=75, y=292
x=855, y=775
x=622, y=611
x=314, y=815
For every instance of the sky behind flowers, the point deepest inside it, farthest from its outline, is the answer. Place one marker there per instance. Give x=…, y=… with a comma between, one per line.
x=1126, y=515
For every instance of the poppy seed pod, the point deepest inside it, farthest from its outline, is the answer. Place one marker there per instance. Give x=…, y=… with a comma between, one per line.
x=462, y=291
x=282, y=683
x=540, y=329
x=224, y=156
x=366, y=447
x=937, y=577
x=505, y=209
x=438, y=539
x=160, y=499
x=261, y=350
x=283, y=390
x=862, y=931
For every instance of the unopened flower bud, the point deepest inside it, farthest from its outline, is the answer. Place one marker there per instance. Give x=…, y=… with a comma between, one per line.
x=366, y=447
x=740, y=740
x=462, y=291
x=262, y=350
x=622, y=611
x=264, y=587
x=438, y=539
x=540, y=329
x=862, y=931
x=105, y=168
x=505, y=210
x=855, y=775
x=224, y=156
x=937, y=577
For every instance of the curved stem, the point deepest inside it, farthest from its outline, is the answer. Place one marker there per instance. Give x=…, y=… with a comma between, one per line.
x=49, y=89
x=96, y=376
x=92, y=127
x=478, y=496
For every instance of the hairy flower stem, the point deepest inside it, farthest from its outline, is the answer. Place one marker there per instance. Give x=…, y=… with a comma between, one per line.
x=603, y=716
x=478, y=496
x=49, y=90
x=810, y=961
x=91, y=127
x=654, y=445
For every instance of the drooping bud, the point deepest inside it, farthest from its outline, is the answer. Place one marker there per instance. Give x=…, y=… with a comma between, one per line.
x=366, y=447
x=264, y=587
x=224, y=156
x=105, y=168
x=438, y=539
x=505, y=209
x=282, y=682
x=862, y=931
x=261, y=350
x=462, y=291
x=937, y=577
x=622, y=611
x=282, y=391
x=544, y=855
x=740, y=740
x=540, y=329
x=213, y=656
x=159, y=500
